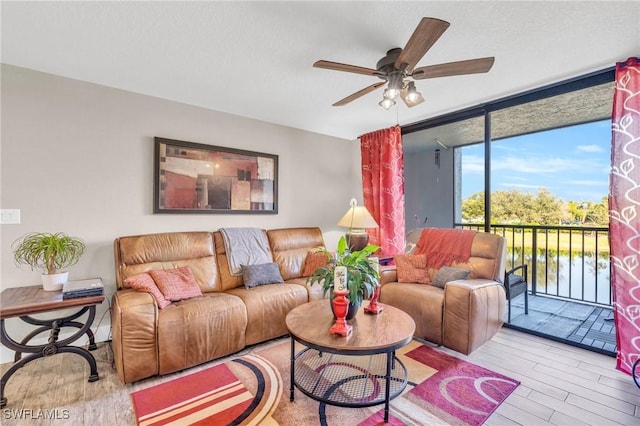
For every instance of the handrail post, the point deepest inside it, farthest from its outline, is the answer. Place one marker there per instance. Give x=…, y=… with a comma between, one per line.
x=534, y=260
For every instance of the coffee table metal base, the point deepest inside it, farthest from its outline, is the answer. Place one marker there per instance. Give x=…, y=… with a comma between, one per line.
x=348, y=380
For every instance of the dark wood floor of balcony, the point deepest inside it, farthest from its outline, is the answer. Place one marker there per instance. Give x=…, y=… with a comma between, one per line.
x=578, y=324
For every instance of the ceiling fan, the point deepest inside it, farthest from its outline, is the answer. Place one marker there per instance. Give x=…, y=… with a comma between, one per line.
x=397, y=67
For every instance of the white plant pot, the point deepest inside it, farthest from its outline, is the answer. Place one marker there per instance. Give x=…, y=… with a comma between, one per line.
x=53, y=282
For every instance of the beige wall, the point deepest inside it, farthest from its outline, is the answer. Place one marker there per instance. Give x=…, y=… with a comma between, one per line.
x=78, y=158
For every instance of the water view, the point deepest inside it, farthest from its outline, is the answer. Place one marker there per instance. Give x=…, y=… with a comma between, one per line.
x=571, y=262
x=584, y=278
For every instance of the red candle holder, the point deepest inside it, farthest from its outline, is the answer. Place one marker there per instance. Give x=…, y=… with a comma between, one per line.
x=340, y=308
x=374, y=308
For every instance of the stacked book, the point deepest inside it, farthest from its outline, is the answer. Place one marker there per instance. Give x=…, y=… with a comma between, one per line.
x=82, y=288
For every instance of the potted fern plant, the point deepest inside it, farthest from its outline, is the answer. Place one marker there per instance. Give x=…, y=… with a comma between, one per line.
x=51, y=253
x=362, y=276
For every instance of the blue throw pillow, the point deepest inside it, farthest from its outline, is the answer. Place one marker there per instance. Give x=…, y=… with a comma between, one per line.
x=265, y=273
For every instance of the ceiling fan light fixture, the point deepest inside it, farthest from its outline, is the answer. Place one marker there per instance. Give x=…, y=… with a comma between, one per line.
x=395, y=85
x=391, y=93
x=410, y=95
x=387, y=103
x=413, y=96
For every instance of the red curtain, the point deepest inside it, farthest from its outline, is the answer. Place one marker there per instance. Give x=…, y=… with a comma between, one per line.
x=383, y=187
x=624, y=212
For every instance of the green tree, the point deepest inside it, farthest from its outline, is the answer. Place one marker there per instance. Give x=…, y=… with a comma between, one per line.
x=598, y=213
x=514, y=206
x=576, y=211
x=590, y=213
x=473, y=208
x=547, y=208
x=511, y=206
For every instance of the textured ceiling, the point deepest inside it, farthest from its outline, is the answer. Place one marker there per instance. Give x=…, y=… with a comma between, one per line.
x=254, y=59
x=580, y=106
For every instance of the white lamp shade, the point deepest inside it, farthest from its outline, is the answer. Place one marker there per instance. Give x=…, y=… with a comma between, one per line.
x=357, y=217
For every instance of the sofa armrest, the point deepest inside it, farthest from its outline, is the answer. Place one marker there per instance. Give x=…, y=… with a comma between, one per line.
x=473, y=284
x=388, y=274
x=473, y=313
x=134, y=319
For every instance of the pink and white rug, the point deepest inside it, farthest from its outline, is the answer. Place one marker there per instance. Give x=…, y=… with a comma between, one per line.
x=254, y=389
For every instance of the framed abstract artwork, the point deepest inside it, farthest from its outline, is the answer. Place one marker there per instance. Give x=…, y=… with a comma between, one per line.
x=197, y=178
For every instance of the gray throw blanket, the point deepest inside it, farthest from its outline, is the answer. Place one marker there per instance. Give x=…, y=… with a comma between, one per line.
x=245, y=246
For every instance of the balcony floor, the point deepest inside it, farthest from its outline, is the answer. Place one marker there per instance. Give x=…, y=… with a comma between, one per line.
x=579, y=324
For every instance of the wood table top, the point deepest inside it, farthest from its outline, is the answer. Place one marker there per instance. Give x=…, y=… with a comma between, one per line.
x=389, y=330
x=19, y=301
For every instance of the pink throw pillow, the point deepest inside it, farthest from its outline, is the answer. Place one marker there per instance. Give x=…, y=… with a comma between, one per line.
x=176, y=284
x=144, y=282
x=412, y=268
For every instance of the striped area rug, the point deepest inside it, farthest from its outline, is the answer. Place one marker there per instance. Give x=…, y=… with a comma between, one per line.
x=215, y=396
x=254, y=390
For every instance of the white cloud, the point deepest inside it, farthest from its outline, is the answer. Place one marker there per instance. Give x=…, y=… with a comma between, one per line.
x=533, y=165
x=522, y=185
x=472, y=164
x=543, y=165
x=587, y=182
x=520, y=178
x=506, y=147
x=589, y=148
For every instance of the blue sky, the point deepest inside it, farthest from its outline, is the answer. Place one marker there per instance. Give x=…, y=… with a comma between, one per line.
x=572, y=163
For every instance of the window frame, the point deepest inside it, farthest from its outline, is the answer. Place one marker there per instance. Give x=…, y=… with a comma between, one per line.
x=595, y=78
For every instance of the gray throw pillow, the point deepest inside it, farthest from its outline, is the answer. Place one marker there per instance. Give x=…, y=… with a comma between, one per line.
x=447, y=273
x=266, y=273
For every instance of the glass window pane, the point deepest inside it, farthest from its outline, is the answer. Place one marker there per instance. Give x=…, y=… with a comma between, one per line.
x=471, y=183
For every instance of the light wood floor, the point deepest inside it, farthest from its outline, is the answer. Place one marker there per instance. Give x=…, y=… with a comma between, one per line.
x=561, y=385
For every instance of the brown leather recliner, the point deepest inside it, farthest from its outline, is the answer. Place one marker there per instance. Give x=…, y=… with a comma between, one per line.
x=466, y=313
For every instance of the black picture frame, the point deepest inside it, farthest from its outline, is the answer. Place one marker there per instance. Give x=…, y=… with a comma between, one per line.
x=192, y=177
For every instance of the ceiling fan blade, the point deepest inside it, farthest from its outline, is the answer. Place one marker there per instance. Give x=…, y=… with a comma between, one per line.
x=470, y=66
x=359, y=93
x=336, y=66
x=424, y=36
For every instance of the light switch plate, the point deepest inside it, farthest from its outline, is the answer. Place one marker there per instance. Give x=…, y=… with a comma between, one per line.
x=9, y=216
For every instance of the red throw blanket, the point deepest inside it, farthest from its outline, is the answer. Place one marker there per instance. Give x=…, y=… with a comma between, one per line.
x=445, y=246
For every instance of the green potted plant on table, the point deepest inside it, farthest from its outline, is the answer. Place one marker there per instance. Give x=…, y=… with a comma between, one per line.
x=50, y=253
x=362, y=276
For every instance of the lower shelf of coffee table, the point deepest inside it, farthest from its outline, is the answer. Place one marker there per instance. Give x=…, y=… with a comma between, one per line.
x=348, y=380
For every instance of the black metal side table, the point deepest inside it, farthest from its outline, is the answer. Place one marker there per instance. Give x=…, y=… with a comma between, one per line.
x=22, y=302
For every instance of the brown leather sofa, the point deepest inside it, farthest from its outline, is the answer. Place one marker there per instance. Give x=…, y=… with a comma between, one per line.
x=466, y=313
x=148, y=341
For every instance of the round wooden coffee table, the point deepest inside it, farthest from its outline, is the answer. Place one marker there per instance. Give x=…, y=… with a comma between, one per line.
x=359, y=370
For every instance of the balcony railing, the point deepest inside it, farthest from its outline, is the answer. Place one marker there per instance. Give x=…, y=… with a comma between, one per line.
x=570, y=262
